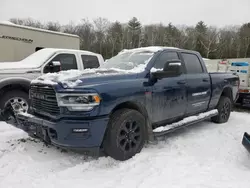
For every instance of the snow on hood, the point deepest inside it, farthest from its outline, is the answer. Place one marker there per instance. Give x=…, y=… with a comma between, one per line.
x=19, y=71
x=16, y=65
x=7, y=22
x=71, y=78
x=34, y=60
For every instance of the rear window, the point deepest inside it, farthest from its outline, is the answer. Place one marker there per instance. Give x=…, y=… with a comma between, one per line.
x=192, y=63
x=90, y=61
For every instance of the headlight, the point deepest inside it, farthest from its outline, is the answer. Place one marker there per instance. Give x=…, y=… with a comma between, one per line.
x=77, y=101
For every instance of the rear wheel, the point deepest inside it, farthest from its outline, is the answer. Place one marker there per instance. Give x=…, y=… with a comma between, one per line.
x=125, y=134
x=12, y=102
x=224, y=108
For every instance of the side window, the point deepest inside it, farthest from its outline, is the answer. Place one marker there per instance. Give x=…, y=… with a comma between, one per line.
x=90, y=61
x=192, y=63
x=164, y=57
x=68, y=61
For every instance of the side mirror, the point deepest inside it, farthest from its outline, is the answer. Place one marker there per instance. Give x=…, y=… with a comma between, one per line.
x=54, y=66
x=172, y=68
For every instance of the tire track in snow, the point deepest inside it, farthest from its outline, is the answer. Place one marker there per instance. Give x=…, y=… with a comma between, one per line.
x=204, y=155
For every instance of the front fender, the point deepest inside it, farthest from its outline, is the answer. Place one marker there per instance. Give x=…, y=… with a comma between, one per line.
x=15, y=81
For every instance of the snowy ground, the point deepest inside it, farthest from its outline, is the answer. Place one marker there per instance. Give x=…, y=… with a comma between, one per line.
x=205, y=155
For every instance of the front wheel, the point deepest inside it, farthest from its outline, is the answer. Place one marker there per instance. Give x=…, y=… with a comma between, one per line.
x=224, y=108
x=13, y=102
x=125, y=134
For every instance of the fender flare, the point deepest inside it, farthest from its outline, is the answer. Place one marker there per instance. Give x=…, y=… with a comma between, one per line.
x=227, y=87
x=15, y=81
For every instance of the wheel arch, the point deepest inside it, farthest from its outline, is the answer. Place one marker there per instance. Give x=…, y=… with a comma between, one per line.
x=14, y=83
x=140, y=108
x=227, y=92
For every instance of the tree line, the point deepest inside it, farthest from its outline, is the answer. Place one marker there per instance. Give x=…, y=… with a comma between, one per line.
x=108, y=38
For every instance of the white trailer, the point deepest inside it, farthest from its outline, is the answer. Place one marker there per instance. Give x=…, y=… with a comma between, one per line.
x=240, y=66
x=17, y=42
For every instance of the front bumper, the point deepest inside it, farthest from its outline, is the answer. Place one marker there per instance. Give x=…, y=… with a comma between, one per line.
x=246, y=141
x=71, y=134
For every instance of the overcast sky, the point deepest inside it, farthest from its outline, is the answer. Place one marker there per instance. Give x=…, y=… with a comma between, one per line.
x=189, y=12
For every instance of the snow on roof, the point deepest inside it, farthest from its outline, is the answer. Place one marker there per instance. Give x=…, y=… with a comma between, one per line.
x=36, y=29
x=149, y=48
x=70, y=50
x=34, y=60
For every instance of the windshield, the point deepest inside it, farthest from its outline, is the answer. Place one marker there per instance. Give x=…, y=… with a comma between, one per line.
x=129, y=60
x=37, y=59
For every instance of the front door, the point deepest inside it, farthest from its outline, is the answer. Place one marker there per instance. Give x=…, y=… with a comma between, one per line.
x=169, y=95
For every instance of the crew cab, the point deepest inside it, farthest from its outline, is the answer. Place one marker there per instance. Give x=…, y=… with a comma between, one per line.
x=134, y=97
x=15, y=77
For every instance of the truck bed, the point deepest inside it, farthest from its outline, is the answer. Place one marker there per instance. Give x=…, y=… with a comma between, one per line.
x=220, y=80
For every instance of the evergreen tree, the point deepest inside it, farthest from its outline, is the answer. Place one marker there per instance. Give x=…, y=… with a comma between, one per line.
x=200, y=30
x=134, y=26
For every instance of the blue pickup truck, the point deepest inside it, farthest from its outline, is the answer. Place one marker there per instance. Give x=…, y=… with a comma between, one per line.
x=133, y=98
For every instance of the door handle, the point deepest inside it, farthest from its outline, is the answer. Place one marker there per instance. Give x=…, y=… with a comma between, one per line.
x=205, y=80
x=181, y=82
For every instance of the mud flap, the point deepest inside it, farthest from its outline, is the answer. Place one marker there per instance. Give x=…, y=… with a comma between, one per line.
x=246, y=141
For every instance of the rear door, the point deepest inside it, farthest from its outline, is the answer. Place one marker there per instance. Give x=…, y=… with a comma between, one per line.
x=198, y=84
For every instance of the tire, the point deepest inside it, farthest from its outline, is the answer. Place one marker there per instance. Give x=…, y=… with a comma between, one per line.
x=126, y=133
x=20, y=98
x=224, y=108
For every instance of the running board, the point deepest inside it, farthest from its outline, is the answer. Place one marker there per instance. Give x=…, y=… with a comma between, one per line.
x=160, y=131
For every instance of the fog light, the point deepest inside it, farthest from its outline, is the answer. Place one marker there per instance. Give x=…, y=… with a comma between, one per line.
x=80, y=130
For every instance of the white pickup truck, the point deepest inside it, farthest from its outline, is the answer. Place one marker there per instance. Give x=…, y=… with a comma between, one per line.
x=15, y=77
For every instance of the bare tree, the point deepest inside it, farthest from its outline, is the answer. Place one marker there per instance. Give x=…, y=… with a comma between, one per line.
x=69, y=28
x=107, y=38
x=210, y=41
x=53, y=26
x=101, y=26
x=115, y=35
x=245, y=39
x=27, y=22
x=85, y=31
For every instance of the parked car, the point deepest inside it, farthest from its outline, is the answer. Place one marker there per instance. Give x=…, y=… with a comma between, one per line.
x=15, y=77
x=134, y=97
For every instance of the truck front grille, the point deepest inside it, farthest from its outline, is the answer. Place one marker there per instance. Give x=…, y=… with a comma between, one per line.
x=43, y=100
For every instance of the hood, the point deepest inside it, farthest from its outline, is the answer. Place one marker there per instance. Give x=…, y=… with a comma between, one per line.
x=19, y=71
x=12, y=66
x=76, y=78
